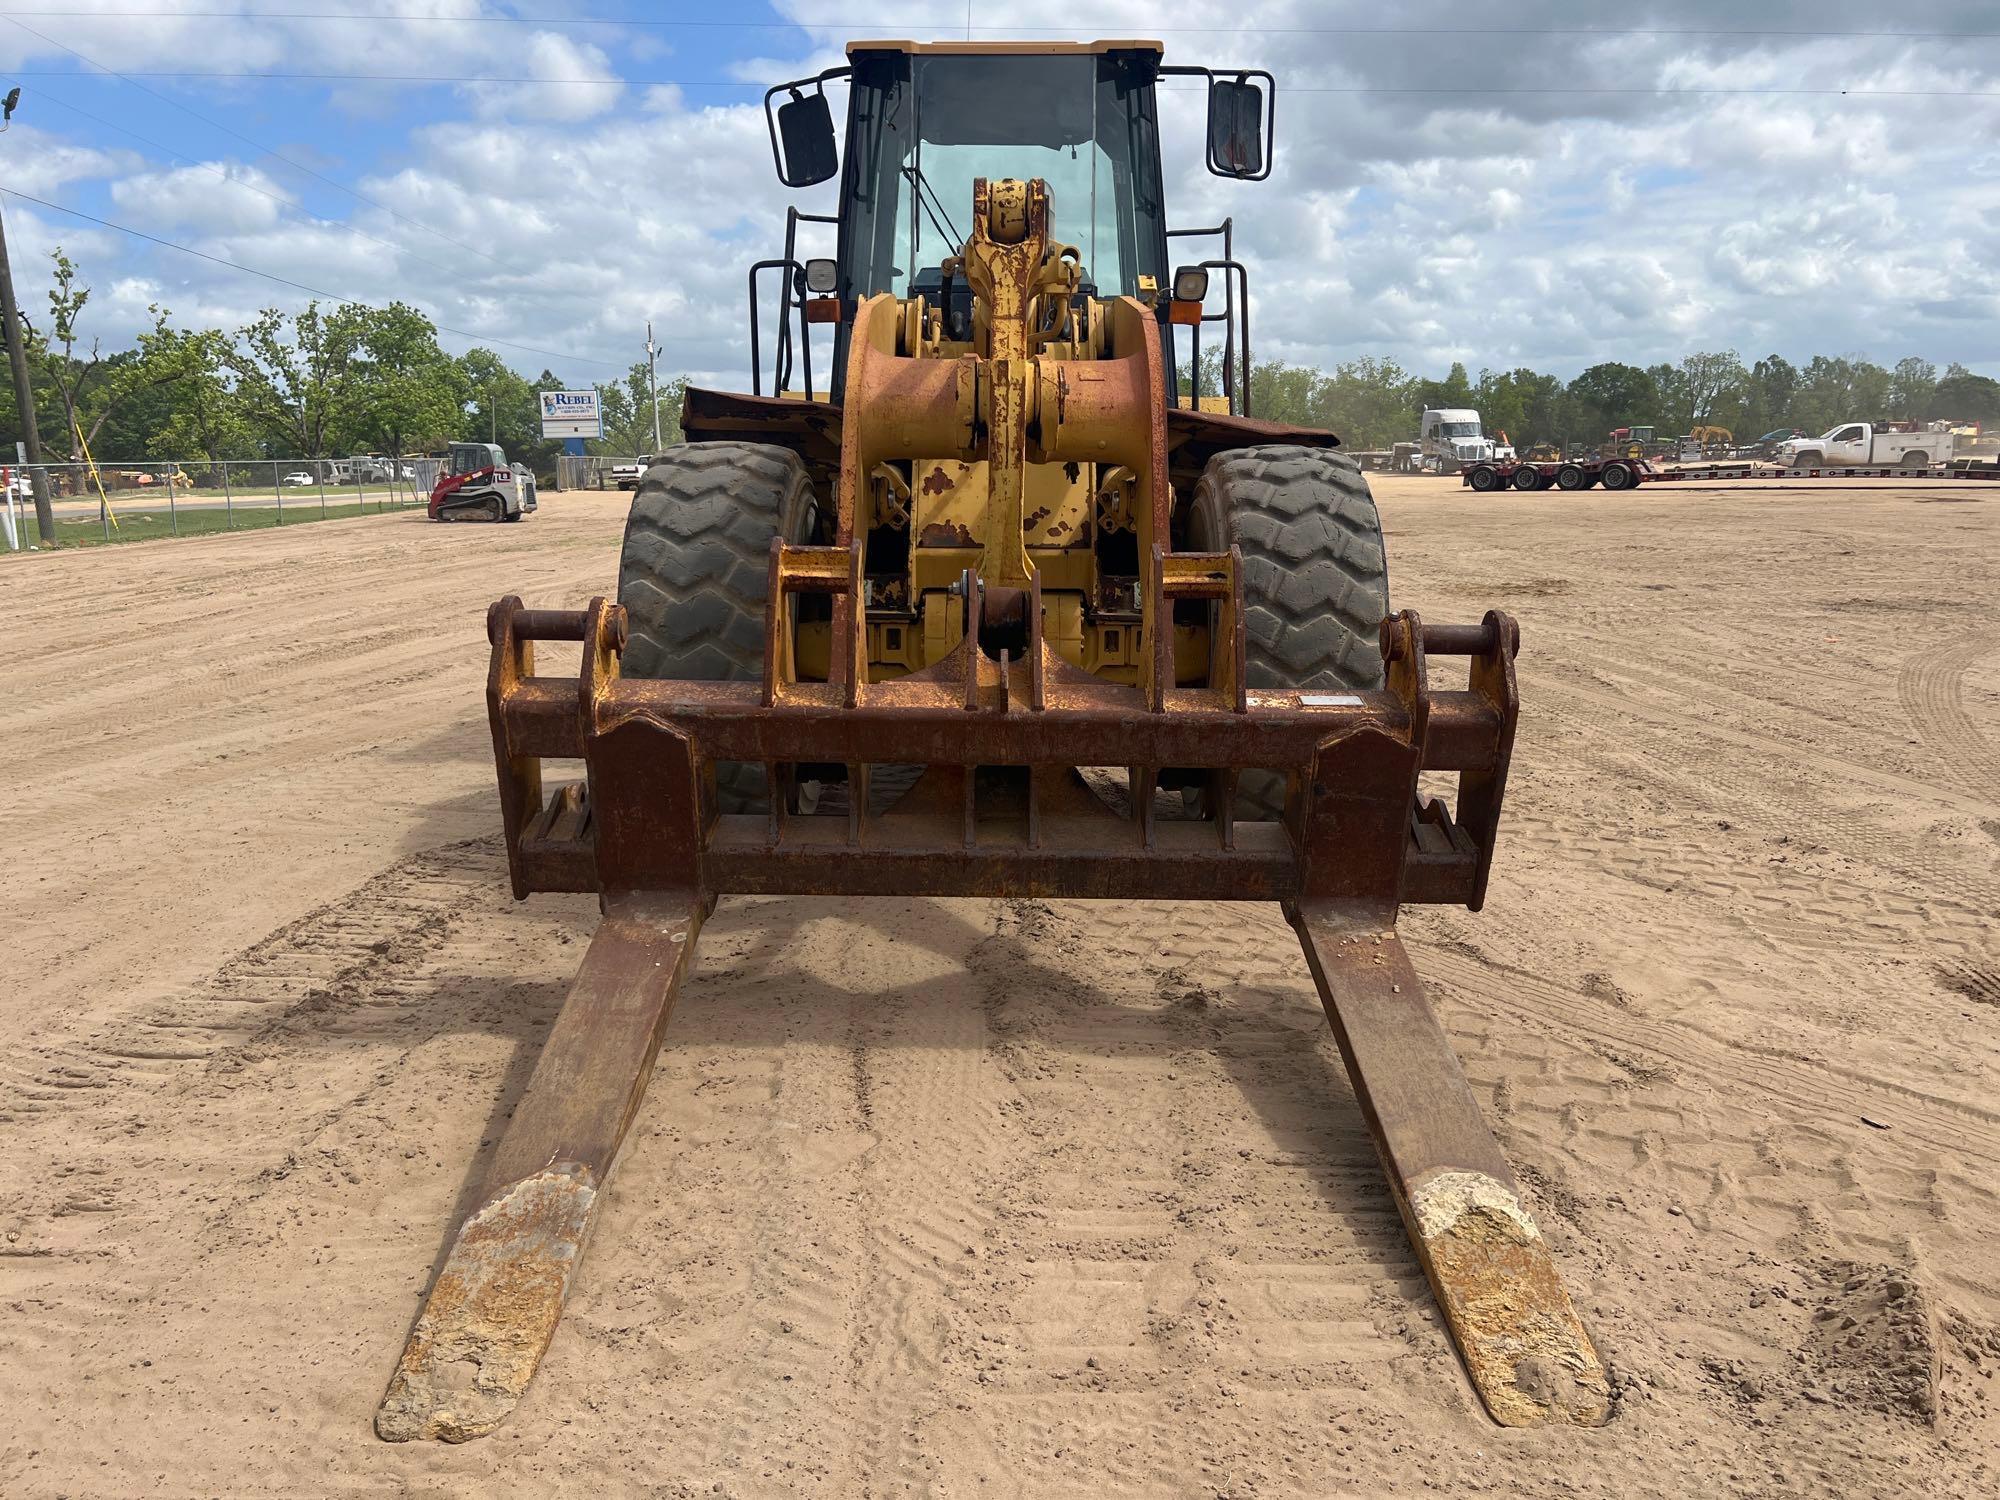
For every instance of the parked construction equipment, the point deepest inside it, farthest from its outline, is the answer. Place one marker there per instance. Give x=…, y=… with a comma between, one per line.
x=1624, y=473
x=478, y=484
x=1001, y=551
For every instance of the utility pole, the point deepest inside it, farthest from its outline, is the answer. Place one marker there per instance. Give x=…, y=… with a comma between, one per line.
x=17, y=357
x=653, y=382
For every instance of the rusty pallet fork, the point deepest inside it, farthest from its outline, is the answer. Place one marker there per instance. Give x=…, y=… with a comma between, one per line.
x=1357, y=842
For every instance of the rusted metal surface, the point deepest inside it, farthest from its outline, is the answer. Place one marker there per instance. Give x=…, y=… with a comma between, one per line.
x=810, y=429
x=1527, y=1352
x=999, y=719
x=1000, y=811
x=1365, y=832
x=496, y=1302
x=492, y=1310
x=1194, y=437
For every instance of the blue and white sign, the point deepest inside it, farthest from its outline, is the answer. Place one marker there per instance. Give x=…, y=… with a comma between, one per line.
x=571, y=414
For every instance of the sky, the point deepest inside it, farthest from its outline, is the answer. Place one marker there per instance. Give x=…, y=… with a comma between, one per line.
x=1500, y=184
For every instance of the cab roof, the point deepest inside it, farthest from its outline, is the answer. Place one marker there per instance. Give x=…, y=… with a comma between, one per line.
x=1007, y=49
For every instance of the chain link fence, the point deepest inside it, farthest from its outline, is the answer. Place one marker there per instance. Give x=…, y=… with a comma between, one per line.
x=597, y=471
x=113, y=500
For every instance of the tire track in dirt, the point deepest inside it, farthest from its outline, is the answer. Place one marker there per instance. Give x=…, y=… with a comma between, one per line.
x=1931, y=686
x=336, y=956
x=927, y=1087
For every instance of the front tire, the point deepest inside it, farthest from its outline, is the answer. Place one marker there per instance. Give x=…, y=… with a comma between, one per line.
x=695, y=570
x=1315, y=576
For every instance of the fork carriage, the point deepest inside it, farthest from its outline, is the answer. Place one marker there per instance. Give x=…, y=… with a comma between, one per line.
x=997, y=810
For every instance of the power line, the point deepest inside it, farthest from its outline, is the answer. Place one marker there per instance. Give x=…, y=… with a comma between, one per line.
x=1286, y=88
x=354, y=193
x=223, y=172
x=901, y=25
x=298, y=286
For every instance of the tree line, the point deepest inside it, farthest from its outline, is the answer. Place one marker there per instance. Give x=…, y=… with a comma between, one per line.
x=320, y=382
x=324, y=382
x=1373, y=403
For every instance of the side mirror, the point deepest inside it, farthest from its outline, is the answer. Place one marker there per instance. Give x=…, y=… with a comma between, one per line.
x=805, y=129
x=1238, y=115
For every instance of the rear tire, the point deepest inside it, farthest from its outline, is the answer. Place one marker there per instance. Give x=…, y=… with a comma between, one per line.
x=1619, y=476
x=1571, y=477
x=1315, y=576
x=1484, y=478
x=695, y=570
x=1915, y=460
x=1527, y=477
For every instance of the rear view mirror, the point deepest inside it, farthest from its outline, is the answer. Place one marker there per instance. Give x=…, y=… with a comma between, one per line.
x=805, y=131
x=1237, y=117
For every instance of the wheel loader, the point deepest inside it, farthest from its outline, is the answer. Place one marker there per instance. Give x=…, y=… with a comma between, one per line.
x=1003, y=610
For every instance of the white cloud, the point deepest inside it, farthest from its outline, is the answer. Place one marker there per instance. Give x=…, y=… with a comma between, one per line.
x=588, y=87
x=209, y=198
x=42, y=163
x=1586, y=217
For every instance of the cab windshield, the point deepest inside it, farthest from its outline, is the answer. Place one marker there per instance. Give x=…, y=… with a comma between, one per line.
x=1459, y=429
x=924, y=126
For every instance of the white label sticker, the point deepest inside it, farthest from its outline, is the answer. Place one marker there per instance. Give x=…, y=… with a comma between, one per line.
x=1329, y=700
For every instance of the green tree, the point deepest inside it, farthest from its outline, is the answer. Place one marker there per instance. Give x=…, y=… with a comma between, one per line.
x=90, y=389
x=1835, y=389
x=1962, y=396
x=1454, y=390
x=1768, y=400
x=1612, y=395
x=405, y=392
x=502, y=406
x=206, y=419
x=628, y=414
x=1714, y=387
x=1544, y=409
x=295, y=376
x=1501, y=406
x=1912, y=388
x=1370, y=402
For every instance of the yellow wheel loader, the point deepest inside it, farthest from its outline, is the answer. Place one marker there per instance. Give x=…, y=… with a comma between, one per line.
x=866, y=640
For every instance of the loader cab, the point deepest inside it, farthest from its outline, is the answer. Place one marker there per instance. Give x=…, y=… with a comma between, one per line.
x=925, y=120
x=922, y=126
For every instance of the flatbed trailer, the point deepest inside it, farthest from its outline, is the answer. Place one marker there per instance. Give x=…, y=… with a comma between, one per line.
x=1616, y=473
x=1624, y=473
x=1821, y=471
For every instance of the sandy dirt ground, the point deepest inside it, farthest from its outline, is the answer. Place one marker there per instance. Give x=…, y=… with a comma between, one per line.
x=1006, y=1197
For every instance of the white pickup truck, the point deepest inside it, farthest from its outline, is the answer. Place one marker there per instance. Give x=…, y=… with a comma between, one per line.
x=627, y=476
x=1862, y=445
